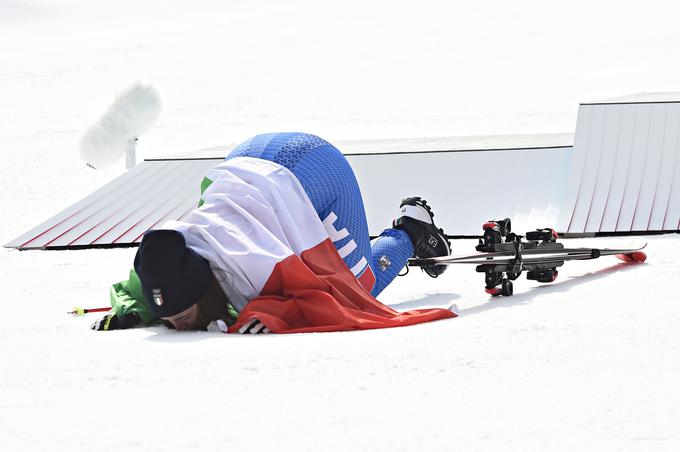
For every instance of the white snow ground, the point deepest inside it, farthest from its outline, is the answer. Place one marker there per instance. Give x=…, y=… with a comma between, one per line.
x=588, y=363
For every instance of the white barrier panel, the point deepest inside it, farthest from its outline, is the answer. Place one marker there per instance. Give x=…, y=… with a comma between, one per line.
x=121, y=211
x=625, y=174
x=465, y=189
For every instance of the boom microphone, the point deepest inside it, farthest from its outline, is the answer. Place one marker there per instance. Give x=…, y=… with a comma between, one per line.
x=132, y=113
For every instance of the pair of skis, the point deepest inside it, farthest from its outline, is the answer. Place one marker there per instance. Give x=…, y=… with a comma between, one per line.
x=503, y=256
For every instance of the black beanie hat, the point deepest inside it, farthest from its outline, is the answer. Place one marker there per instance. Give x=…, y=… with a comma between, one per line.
x=173, y=276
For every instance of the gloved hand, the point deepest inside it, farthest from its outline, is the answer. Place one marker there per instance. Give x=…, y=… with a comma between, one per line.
x=254, y=326
x=113, y=322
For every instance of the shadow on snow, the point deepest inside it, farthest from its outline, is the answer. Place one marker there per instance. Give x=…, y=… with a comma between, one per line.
x=556, y=287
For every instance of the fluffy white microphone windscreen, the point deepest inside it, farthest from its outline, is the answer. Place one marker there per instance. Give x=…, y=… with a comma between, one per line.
x=131, y=114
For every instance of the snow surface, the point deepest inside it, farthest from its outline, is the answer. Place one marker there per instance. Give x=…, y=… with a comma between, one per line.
x=588, y=363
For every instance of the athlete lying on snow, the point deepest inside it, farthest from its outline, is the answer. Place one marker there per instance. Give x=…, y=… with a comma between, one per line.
x=278, y=243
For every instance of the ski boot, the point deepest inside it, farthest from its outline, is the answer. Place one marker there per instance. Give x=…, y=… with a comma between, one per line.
x=428, y=240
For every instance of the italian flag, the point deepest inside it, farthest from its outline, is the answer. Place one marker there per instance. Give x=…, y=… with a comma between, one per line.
x=274, y=259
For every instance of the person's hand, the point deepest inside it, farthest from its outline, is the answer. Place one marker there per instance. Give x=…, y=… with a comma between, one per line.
x=113, y=322
x=254, y=326
x=217, y=326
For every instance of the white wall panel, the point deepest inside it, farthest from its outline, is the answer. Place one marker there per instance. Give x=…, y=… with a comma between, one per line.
x=624, y=173
x=652, y=161
x=547, y=191
x=667, y=161
x=64, y=231
x=466, y=189
x=559, y=187
x=180, y=187
x=604, y=169
x=592, y=149
x=636, y=168
x=100, y=219
x=97, y=211
x=672, y=220
x=121, y=211
x=620, y=169
x=577, y=163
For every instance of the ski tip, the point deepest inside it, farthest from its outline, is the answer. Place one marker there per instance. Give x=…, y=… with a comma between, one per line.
x=636, y=256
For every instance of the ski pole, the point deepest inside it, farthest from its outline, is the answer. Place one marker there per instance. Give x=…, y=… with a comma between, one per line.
x=83, y=311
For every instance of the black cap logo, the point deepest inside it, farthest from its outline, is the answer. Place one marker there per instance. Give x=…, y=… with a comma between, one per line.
x=157, y=297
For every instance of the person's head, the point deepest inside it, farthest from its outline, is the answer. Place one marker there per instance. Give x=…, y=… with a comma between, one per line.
x=185, y=320
x=174, y=277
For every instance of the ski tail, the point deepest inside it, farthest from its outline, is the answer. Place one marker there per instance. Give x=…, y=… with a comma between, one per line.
x=635, y=256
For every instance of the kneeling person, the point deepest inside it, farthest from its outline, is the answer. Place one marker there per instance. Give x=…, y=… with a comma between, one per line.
x=278, y=243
